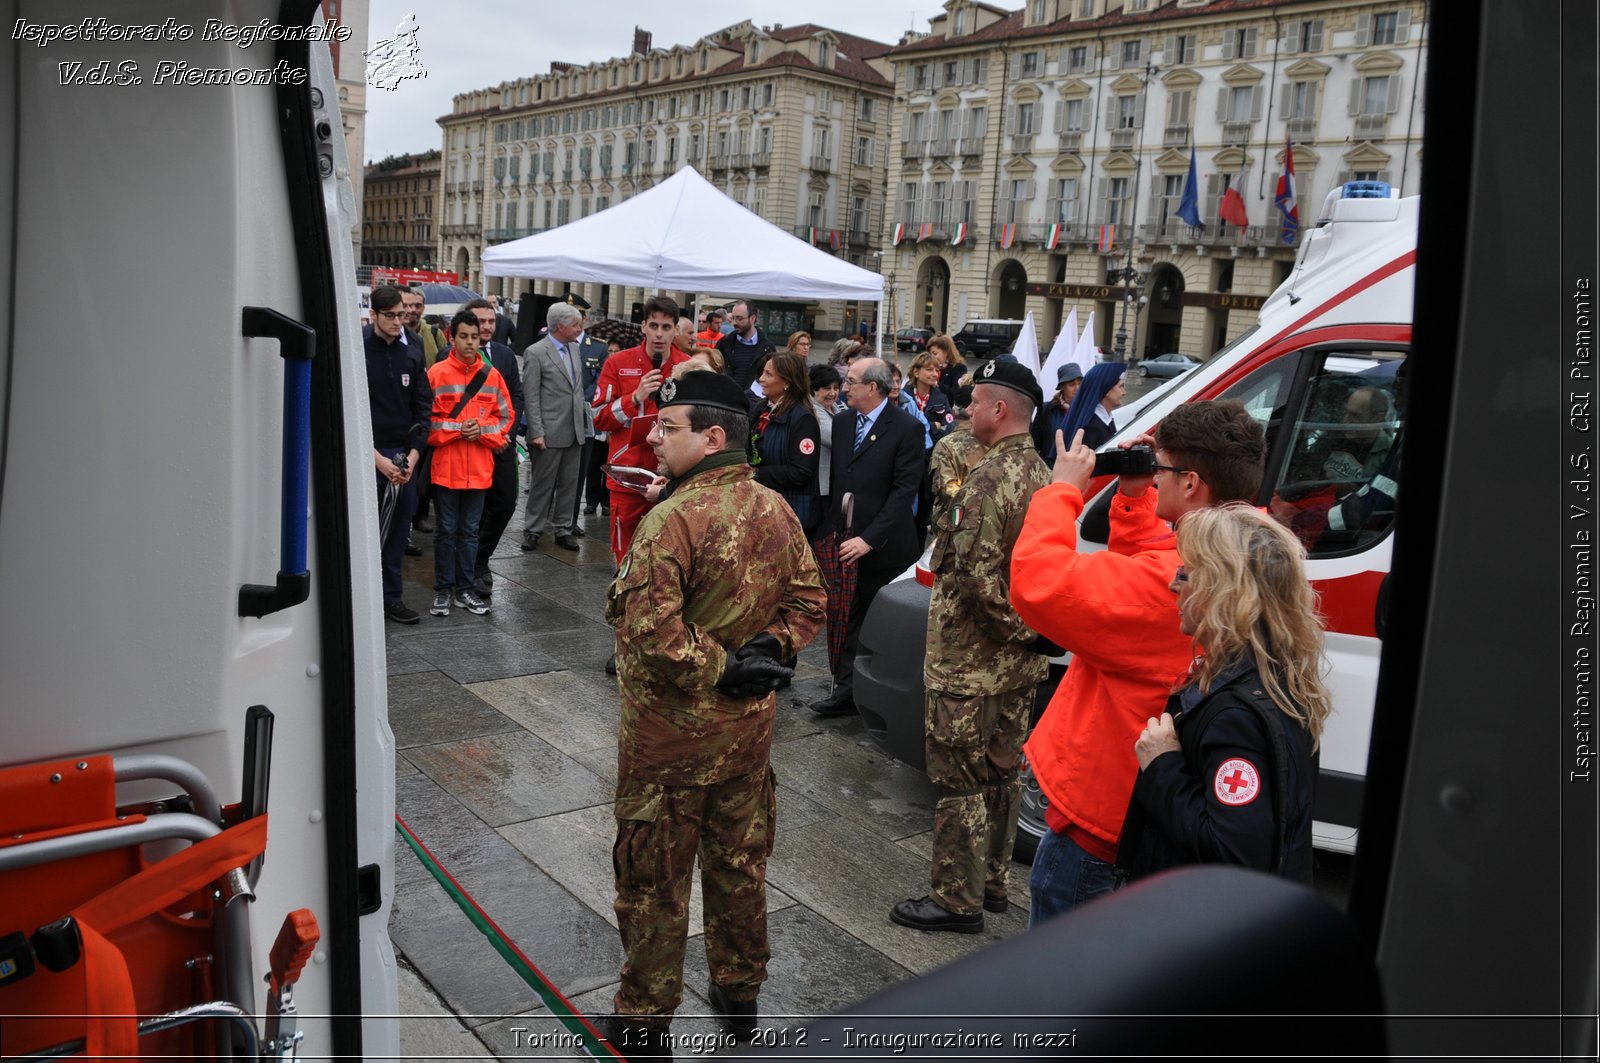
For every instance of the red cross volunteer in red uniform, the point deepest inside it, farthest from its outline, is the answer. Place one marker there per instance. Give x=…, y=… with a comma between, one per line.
x=625, y=409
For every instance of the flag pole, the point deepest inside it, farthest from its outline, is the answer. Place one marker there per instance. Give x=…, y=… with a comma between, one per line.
x=1128, y=272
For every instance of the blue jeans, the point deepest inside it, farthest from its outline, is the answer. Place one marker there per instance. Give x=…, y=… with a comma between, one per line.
x=1063, y=877
x=456, y=514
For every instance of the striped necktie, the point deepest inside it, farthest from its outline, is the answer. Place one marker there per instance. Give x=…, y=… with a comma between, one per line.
x=861, y=429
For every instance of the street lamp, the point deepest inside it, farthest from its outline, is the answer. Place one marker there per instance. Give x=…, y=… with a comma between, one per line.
x=1128, y=275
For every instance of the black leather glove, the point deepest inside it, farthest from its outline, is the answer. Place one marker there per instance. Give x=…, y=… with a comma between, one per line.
x=753, y=677
x=1040, y=644
x=764, y=645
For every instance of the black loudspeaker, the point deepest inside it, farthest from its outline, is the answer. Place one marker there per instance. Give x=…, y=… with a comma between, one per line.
x=531, y=313
x=637, y=314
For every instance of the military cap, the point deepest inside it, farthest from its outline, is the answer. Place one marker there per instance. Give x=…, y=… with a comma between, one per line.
x=574, y=299
x=1013, y=375
x=1068, y=373
x=703, y=387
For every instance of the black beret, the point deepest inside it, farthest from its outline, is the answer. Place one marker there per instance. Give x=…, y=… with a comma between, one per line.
x=1010, y=374
x=705, y=387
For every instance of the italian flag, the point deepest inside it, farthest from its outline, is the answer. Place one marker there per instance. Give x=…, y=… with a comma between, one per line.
x=1052, y=238
x=899, y=233
x=960, y=236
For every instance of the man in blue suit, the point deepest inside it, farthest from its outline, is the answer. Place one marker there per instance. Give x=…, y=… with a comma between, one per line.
x=878, y=460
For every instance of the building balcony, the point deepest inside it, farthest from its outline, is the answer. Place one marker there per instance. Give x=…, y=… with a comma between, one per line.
x=739, y=162
x=821, y=164
x=715, y=163
x=942, y=149
x=761, y=160
x=459, y=231
x=1124, y=139
x=970, y=146
x=494, y=236
x=1175, y=136
x=861, y=238
x=1236, y=133
x=912, y=149
x=1021, y=143
x=1371, y=126
x=1072, y=140
x=1302, y=129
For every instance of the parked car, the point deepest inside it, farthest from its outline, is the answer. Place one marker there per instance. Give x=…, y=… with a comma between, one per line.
x=987, y=337
x=914, y=340
x=1294, y=373
x=1167, y=366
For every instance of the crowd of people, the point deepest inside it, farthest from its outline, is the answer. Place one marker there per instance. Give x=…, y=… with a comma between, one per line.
x=757, y=500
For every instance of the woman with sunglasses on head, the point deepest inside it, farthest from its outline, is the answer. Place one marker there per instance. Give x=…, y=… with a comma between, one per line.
x=1227, y=774
x=784, y=443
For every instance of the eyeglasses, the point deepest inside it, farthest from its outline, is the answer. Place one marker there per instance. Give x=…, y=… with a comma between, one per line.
x=1182, y=575
x=391, y=315
x=667, y=429
x=1171, y=469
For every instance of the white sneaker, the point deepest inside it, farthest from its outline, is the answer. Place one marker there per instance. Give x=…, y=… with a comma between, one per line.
x=441, y=604
x=470, y=601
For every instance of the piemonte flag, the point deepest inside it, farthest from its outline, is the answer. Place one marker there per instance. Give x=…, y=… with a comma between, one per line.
x=1287, y=205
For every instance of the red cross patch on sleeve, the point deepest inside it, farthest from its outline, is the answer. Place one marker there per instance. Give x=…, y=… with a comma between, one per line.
x=1237, y=782
x=808, y=446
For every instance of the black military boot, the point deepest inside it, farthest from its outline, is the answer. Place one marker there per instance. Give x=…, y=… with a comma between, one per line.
x=738, y=1017
x=634, y=1042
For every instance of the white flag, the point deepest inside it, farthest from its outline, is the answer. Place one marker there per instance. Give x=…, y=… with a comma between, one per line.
x=1061, y=353
x=1087, y=353
x=1026, y=350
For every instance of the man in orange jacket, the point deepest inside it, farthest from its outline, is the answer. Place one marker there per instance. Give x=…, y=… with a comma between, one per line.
x=1115, y=611
x=464, y=445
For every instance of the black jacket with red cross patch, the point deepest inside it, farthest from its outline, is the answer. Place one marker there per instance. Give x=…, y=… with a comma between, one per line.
x=1240, y=792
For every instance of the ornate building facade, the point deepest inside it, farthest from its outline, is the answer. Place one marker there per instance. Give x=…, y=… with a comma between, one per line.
x=400, y=211
x=1040, y=157
x=791, y=122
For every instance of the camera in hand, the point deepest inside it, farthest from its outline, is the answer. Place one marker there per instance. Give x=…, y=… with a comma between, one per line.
x=1135, y=461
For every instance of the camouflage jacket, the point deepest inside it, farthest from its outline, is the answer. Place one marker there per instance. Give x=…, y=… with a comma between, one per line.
x=953, y=458
x=977, y=644
x=717, y=563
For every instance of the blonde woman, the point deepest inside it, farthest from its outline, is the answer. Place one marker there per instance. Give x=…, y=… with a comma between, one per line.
x=1227, y=774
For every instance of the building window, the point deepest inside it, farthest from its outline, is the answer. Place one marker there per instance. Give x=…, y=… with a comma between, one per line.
x=1384, y=26
x=1127, y=112
x=1303, y=99
x=1180, y=49
x=867, y=110
x=1030, y=64
x=908, y=202
x=1132, y=53
x=764, y=139
x=1024, y=125
x=1375, y=95
x=919, y=77
x=1086, y=9
x=766, y=95
x=858, y=214
x=1072, y=116
x=822, y=54
x=1064, y=199
x=951, y=72
x=960, y=22
x=1040, y=9
x=914, y=127
x=744, y=98
x=863, y=151
x=1078, y=58
x=1117, y=201
x=1241, y=103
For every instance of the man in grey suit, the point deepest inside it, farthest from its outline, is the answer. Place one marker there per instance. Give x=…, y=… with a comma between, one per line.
x=552, y=388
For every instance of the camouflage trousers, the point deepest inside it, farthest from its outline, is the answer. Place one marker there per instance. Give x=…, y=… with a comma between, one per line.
x=660, y=830
x=974, y=748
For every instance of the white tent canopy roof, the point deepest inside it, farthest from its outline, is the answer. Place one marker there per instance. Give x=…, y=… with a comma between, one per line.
x=684, y=235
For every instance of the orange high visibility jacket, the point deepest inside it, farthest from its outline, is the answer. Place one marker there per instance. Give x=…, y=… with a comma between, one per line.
x=466, y=463
x=1117, y=614
x=614, y=408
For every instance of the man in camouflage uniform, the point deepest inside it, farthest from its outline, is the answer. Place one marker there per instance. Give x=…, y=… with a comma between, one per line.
x=718, y=587
x=954, y=456
x=982, y=664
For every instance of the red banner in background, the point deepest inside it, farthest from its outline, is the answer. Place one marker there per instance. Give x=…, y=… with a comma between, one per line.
x=404, y=277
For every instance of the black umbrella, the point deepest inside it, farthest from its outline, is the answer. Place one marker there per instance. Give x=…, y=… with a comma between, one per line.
x=391, y=490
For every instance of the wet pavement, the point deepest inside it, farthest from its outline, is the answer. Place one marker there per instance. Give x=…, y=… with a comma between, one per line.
x=506, y=728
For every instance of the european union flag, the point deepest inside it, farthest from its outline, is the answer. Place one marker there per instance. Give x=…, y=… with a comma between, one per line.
x=1189, y=205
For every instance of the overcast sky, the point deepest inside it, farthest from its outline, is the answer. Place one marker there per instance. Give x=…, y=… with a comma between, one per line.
x=473, y=45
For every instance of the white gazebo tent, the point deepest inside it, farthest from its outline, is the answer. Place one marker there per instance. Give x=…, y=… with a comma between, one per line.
x=684, y=234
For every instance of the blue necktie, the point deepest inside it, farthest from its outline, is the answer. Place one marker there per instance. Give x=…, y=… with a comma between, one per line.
x=566, y=360
x=861, y=429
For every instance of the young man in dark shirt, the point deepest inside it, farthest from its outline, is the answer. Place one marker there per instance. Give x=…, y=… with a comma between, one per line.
x=398, y=391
